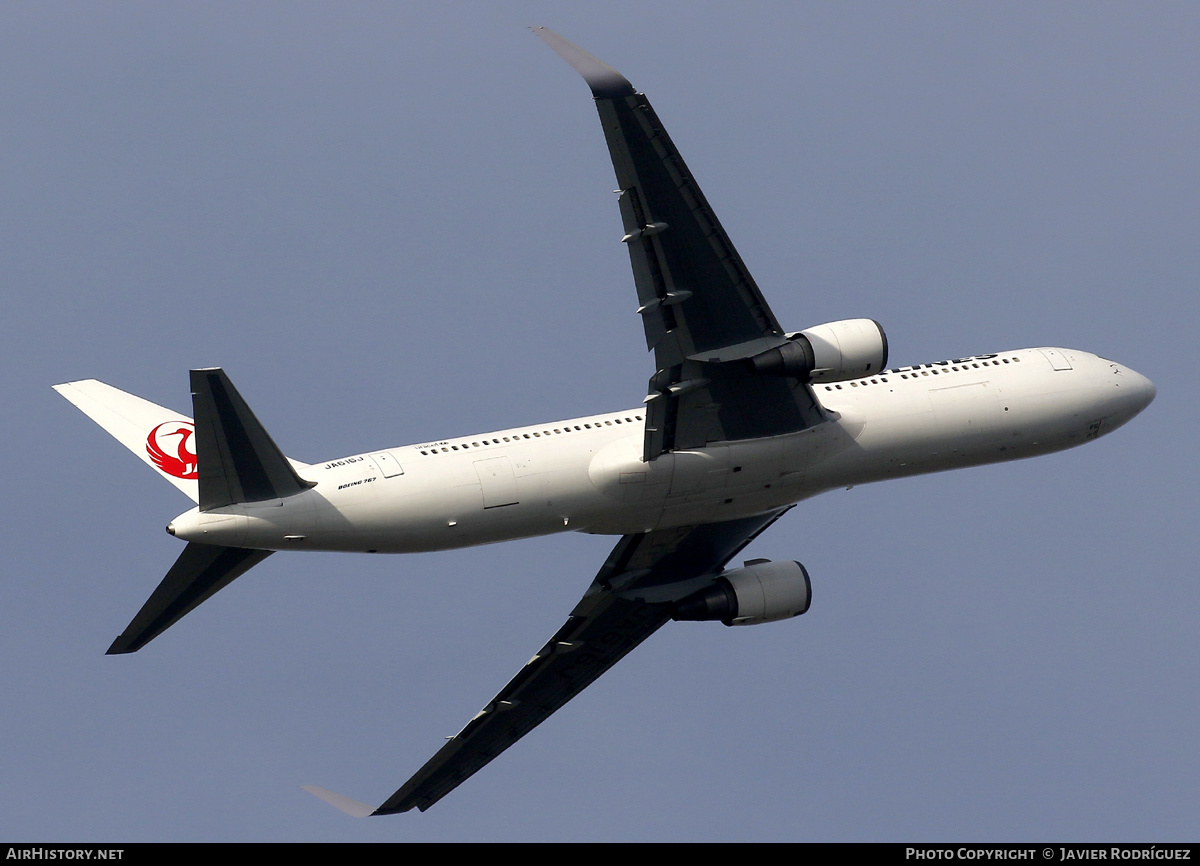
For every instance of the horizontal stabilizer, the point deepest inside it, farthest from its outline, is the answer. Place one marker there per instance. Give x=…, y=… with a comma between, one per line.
x=238, y=460
x=200, y=571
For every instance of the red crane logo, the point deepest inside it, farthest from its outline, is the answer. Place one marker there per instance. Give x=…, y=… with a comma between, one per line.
x=171, y=455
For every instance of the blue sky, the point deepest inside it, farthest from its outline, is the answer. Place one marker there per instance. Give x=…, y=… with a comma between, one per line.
x=394, y=222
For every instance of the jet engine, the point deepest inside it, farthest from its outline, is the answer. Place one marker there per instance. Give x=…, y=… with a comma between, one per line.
x=834, y=352
x=762, y=591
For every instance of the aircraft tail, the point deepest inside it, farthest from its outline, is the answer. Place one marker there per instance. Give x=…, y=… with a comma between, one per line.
x=224, y=457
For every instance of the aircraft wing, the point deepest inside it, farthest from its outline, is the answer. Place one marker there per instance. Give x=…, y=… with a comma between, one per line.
x=631, y=597
x=702, y=311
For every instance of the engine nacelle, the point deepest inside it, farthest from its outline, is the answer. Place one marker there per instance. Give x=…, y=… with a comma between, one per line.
x=762, y=591
x=833, y=352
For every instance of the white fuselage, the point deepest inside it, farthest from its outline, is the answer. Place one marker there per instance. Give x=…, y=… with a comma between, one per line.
x=587, y=474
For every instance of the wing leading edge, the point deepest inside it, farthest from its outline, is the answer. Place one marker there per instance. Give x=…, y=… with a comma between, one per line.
x=703, y=314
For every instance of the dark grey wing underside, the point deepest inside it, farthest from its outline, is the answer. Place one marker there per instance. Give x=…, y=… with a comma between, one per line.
x=632, y=597
x=702, y=312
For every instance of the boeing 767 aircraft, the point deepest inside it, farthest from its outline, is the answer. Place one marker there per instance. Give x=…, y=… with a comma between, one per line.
x=742, y=420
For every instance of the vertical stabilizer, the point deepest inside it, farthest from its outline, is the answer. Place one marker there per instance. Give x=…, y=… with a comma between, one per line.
x=161, y=439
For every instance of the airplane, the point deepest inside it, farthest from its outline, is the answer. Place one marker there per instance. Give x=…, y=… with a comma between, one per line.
x=742, y=420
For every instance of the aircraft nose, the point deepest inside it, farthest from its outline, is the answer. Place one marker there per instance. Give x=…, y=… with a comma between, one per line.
x=1134, y=392
x=1145, y=390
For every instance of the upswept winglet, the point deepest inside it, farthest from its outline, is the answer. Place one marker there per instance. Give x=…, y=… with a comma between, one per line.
x=606, y=82
x=353, y=808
